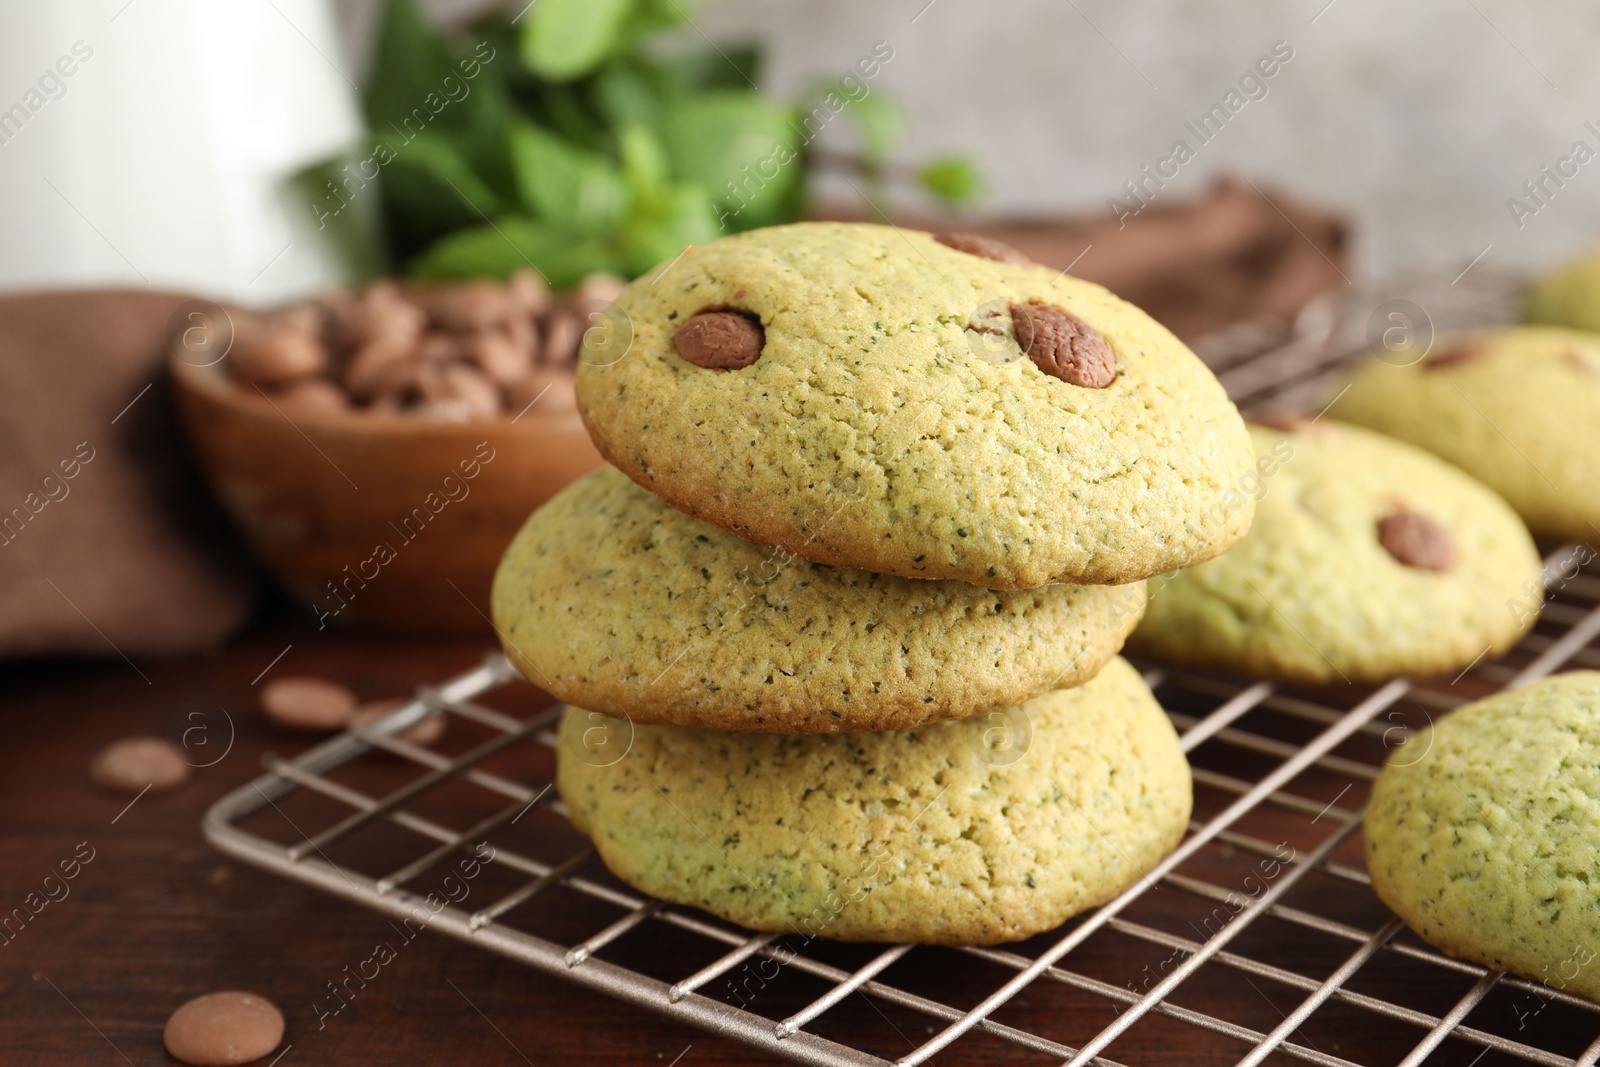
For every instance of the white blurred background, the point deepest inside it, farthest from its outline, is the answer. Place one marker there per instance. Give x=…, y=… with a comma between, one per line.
x=1419, y=120
x=147, y=142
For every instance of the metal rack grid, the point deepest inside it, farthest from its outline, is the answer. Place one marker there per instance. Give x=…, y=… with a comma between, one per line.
x=1280, y=777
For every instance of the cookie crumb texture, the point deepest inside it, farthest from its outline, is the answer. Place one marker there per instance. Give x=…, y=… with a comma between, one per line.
x=1515, y=408
x=1483, y=833
x=1316, y=592
x=911, y=836
x=611, y=600
x=880, y=430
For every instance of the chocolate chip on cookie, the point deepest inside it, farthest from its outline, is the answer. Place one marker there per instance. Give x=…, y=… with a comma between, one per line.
x=1454, y=356
x=1064, y=346
x=720, y=340
x=983, y=248
x=1417, y=541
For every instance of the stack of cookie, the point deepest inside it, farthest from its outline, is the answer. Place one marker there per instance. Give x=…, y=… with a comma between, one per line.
x=838, y=631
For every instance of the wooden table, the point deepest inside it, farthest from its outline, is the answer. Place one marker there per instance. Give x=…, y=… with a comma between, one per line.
x=156, y=916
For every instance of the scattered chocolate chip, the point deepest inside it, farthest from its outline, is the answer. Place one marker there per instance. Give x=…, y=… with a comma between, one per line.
x=397, y=385
x=278, y=352
x=1454, y=356
x=457, y=351
x=310, y=704
x=468, y=306
x=547, y=390
x=310, y=396
x=524, y=334
x=500, y=356
x=376, y=365
x=455, y=392
x=384, y=313
x=563, y=336
x=1063, y=345
x=219, y=1029
x=135, y=763
x=983, y=248
x=528, y=291
x=720, y=340
x=598, y=289
x=444, y=347
x=1417, y=541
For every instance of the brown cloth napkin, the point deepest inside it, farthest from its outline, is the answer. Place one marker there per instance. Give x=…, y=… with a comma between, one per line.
x=1241, y=252
x=109, y=544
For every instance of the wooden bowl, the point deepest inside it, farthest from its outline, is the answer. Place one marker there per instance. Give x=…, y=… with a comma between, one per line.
x=379, y=520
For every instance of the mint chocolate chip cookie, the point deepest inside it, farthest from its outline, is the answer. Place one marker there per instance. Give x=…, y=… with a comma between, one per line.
x=868, y=397
x=962, y=833
x=1483, y=832
x=1518, y=409
x=1368, y=559
x=611, y=600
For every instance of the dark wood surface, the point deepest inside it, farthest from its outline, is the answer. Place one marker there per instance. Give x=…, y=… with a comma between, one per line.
x=157, y=916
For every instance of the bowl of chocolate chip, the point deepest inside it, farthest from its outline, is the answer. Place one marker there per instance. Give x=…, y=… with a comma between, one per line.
x=379, y=447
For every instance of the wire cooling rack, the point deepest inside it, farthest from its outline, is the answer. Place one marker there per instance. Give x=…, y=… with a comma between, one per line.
x=1259, y=939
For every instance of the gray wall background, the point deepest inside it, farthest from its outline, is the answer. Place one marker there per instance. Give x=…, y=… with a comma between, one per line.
x=1419, y=119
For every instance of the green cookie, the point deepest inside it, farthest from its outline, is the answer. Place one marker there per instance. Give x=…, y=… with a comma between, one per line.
x=1483, y=833
x=1368, y=559
x=892, y=421
x=1518, y=409
x=974, y=832
x=611, y=600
